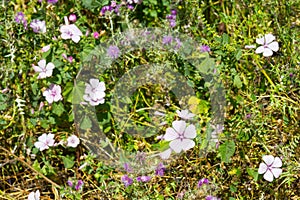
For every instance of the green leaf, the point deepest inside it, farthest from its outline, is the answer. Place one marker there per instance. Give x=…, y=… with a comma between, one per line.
x=85, y=123
x=207, y=64
x=67, y=93
x=238, y=54
x=36, y=166
x=78, y=92
x=68, y=161
x=237, y=81
x=226, y=150
x=58, y=108
x=253, y=173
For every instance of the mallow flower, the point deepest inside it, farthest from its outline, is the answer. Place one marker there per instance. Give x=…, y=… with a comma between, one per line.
x=45, y=141
x=73, y=141
x=94, y=92
x=270, y=167
x=70, y=31
x=53, y=93
x=34, y=195
x=268, y=45
x=44, y=70
x=38, y=26
x=180, y=136
x=185, y=114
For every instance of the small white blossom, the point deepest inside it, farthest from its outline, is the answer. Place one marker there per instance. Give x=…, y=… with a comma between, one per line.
x=53, y=93
x=34, y=195
x=70, y=32
x=94, y=92
x=45, y=141
x=270, y=167
x=185, y=114
x=43, y=69
x=73, y=141
x=268, y=45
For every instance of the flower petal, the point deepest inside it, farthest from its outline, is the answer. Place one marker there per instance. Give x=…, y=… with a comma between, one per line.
x=171, y=134
x=179, y=126
x=165, y=154
x=76, y=38
x=176, y=145
x=260, y=49
x=274, y=46
x=267, y=52
x=262, y=168
x=42, y=63
x=50, y=66
x=269, y=38
x=190, y=131
x=268, y=176
x=269, y=159
x=187, y=144
x=276, y=172
x=277, y=162
x=260, y=41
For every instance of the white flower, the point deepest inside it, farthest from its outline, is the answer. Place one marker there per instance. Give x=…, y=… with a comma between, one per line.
x=270, y=167
x=53, y=93
x=45, y=141
x=94, y=92
x=180, y=136
x=73, y=141
x=38, y=26
x=249, y=46
x=43, y=69
x=70, y=32
x=34, y=195
x=185, y=114
x=165, y=154
x=268, y=46
x=46, y=48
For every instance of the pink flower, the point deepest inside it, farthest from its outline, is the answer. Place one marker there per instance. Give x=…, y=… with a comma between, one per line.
x=38, y=26
x=73, y=141
x=53, y=94
x=180, y=136
x=268, y=46
x=94, y=92
x=45, y=141
x=72, y=18
x=45, y=48
x=270, y=168
x=43, y=69
x=70, y=32
x=96, y=35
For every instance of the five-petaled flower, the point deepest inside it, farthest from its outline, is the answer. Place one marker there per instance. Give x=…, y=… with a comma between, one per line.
x=180, y=136
x=43, y=69
x=185, y=114
x=45, y=141
x=270, y=168
x=38, y=26
x=34, y=195
x=268, y=45
x=73, y=141
x=160, y=169
x=53, y=93
x=70, y=31
x=143, y=178
x=113, y=52
x=126, y=180
x=94, y=92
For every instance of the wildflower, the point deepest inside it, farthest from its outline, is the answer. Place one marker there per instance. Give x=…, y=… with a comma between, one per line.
x=73, y=141
x=209, y=197
x=94, y=92
x=20, y=105
x=43, y=69
x=166, y=154
x=204, y=48
x=38, y=26
x=268, y=46
x=180, y=136
x=70, y=59
x=34, y=195
x=160, y=169
x=53, y=93
x=20, y=19
x=127, y=167
x=185, y=114
x=72, y=18
x=52, y=1
x=41, y=106
x=270, y=167
x=46, y=48
x=104, y=9
x=202, y=181
x=130, y=7
x=79, y=185
x=126, y=180
x=217, y=130
x=70, y=183
x=96, y=35
x=167, y=40
x=113, y=52
x=143, y=178
x=113, y=4
x=45, y=141
x=70, y=32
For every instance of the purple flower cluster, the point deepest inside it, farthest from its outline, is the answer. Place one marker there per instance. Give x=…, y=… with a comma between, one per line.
x=204, y=48
x=172, y=18
x=114, y=7
x=78, y=186
x=160, y=169
x=202, y=181
x=20, y=19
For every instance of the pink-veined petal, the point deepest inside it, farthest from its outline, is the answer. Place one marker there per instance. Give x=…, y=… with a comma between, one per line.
x=277, y=162
x=262, y=168
x=260, y=49
x=31, y=196
x=274, y=46
x=75, y=30
x=179, y=126
x=268, y=159
x=40, y=145
x=165, y=154
x=101, y=86
x=57, y=88
x=171, y=134
x=48, y=73
x=176, y=145
x=190, y=132
x=260, y=41
x=268, y=176
x=269, y=38
x=43, y=137
x=276, y=172
x=267, y=52
x=57, y=97
x=187, y=144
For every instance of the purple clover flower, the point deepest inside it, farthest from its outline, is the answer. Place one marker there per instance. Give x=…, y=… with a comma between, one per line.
x=173, y=12
x=126, y=180
x=79, y=185
x=20, y=19
x=96, y=35
x=113, y=51
x=202, y=181
x=167, y=40
x=143, y=178
x=204, y=48
x=70, y=183
x=160, y=169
